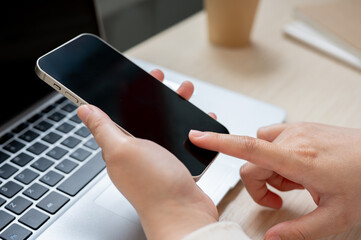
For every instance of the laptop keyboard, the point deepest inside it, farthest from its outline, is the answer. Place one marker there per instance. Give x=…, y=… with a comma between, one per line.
x=45, y=162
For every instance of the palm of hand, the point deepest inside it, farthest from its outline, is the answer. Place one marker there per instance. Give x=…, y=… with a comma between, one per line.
x=162, y=177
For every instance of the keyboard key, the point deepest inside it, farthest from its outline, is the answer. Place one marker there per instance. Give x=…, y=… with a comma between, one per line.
x=48, y=108
x=42, y=164
x=51, y=137
x=37, y=148
x=83, y=132
x=35, y=191
x=3, y=156
x=18, y=205
x=80, y=154
x=26, y=176
x=66, y=166
x=29, y=136
x=7, y=170
x=20, y=127
x=57, y=153
x=22, y=159
x=79, y=179
x=15, y=232
x=92, y=144
x=69, y=107
x=51, y=178
x=6, y=137
x=14, y=146
x=35, y=118
x=56, y=117
x=9, y=189
x=5, y=219
x=71, y=142
x=65, y=127
x=75, y=119
x=2, y=201
x=61, y=100
x=52, y=202
x=34, y=219
x=43, y=126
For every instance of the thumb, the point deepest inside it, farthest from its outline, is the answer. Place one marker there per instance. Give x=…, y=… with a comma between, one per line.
x=104, y=130
x=319, y=223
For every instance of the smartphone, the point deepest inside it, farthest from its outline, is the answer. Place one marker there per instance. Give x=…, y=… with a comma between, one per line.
x=87, y=70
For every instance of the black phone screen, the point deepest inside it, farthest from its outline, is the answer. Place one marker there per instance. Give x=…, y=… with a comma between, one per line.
x=131, y=97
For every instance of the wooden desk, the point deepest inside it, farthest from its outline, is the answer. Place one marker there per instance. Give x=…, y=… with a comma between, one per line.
x=275, y=69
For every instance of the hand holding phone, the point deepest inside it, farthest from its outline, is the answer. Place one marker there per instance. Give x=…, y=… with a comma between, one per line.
x=88, y=70
x=155, y=182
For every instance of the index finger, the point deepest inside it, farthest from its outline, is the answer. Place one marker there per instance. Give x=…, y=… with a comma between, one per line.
x=258, y=151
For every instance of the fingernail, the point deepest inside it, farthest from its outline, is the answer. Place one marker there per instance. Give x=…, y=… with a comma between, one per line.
x=196, y=134
x=83, y=113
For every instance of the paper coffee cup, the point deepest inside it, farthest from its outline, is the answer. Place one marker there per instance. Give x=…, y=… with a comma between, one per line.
x=230, y=21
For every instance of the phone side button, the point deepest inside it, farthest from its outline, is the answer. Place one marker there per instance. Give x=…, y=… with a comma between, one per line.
x=71, y=97
x=57, y=87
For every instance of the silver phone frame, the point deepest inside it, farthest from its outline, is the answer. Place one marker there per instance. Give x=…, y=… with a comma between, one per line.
x=52, y=82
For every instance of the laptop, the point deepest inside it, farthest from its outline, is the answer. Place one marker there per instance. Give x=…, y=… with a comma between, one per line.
x=53, y=182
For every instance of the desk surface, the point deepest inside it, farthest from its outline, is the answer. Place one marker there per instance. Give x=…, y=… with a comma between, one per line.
x=276, y=69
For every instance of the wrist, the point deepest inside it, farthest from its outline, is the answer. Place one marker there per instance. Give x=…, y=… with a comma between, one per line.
x=174, y=220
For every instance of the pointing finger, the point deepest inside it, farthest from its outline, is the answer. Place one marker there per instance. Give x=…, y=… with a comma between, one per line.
x=260, y=152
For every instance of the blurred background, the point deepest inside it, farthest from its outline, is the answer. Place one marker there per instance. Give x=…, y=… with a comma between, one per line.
x=128, y=22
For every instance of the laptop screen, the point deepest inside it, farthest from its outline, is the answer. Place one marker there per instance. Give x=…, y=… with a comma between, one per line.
x=30, y=29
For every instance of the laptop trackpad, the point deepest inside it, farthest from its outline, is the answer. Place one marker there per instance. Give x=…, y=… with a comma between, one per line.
x=112, y=200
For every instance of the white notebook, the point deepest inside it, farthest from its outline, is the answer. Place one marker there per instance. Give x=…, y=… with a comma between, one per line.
x=332, y=27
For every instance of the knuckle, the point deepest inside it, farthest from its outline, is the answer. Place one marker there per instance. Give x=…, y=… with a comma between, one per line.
x=298, y=131
x=303, y=129
x=301, y=235
x=307, y=156
x=248, y=143
x=307, y=152
x=219, y=140
x=298, y=128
